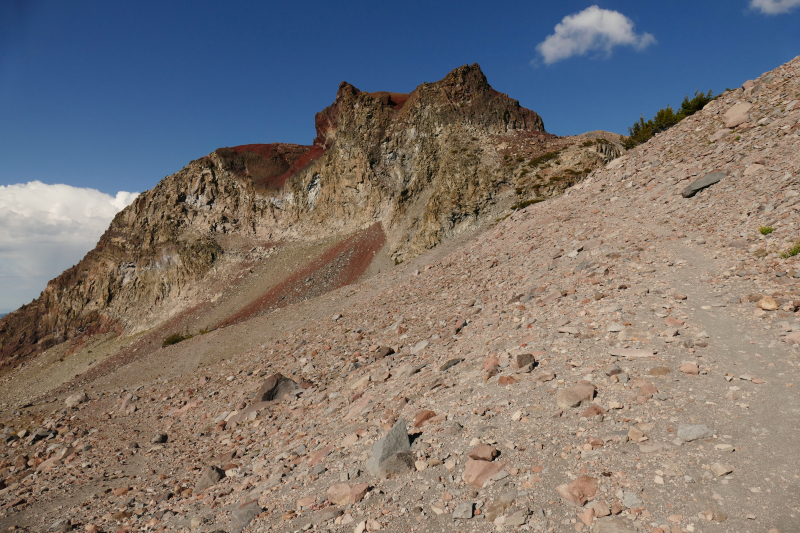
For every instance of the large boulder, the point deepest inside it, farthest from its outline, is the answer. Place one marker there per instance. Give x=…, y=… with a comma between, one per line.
x=396, y=440
x=210, y=476
x=275, y=387
x=706, y=181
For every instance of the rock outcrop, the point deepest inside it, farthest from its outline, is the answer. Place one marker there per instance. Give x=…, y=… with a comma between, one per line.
x=425, y=166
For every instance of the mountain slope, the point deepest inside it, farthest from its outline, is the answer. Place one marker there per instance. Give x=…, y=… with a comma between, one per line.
x=621, y=358
x=424, y=166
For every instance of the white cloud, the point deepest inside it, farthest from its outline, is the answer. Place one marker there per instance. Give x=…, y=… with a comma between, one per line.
x=590, y=30
x=774, y=7
x=45, y=229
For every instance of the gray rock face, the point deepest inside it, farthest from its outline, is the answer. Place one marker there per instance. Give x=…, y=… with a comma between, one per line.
x=391, y=443
x=210, y=476
x=463, y=511
x=689, y=433
x=706, y=181
x=242, y=516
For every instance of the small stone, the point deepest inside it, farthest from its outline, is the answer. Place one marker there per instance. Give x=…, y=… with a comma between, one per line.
x=768, y=303
x=159, y=438
x=76, y=399
x=689, y=368
x=612, y=524
x=463, y=511
x=575, y=396
x=579, y=491
x=483, y=452
x=423, y=417
x=339, y=494
x=720, y=469
x=210, y=476
x=478, y=473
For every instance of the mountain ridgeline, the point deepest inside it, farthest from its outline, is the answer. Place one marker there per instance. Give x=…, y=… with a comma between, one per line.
x=416, y=169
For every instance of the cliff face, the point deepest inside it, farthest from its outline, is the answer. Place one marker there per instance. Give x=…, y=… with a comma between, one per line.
x=425, y=166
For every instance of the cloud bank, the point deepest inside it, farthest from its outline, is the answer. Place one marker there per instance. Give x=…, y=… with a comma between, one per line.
x=45, y=229
x=774, y=7
x=593, y=29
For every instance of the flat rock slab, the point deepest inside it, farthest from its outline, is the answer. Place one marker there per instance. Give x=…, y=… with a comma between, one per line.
x=632, y=353
x=612, y=524
x=578, y=491
x=575, y=396
x=688, y=433
x=706, y=181
x=396, y=440
x=738, y=114
x=478, y=473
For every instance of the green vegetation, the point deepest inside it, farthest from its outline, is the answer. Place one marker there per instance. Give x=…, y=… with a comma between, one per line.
x=766, y=230
x=642, y=131
x=526, y=203
x=175, y=338
x=536, y=161
x=791, y=252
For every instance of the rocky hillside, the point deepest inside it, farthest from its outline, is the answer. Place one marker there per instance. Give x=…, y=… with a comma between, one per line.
x=622, y=358
x=424, y=166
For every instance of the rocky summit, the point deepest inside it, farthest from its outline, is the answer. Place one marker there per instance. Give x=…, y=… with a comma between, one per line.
x=438, y=317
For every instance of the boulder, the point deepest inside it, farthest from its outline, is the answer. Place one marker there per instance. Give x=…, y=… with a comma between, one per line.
x=242, y=516
x=210, y=476
x=738, y=114
x=275, y=387
x=706, y=181
x=396, y=440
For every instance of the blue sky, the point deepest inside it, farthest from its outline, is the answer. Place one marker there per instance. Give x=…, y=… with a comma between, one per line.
x=113, y=96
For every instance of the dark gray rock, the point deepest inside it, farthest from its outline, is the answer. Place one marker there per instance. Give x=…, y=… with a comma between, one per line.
x=706, y=181
x=210, y=476
x=275, y=387
x=242, y=516
x=398, y=464
x=396, y=440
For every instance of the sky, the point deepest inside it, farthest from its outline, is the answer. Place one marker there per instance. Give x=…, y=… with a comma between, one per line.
x=100, y=100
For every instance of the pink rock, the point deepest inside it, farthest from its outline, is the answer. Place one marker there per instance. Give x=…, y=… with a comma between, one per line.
x=490, y=363
x=579, y=491
x=689, y=368
x=483, y=452
x=673, y=322
x=339, y=494
x=793, y=338
x=423, y=417
x=738, y=114
x=357, y=492
x=477, y=473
